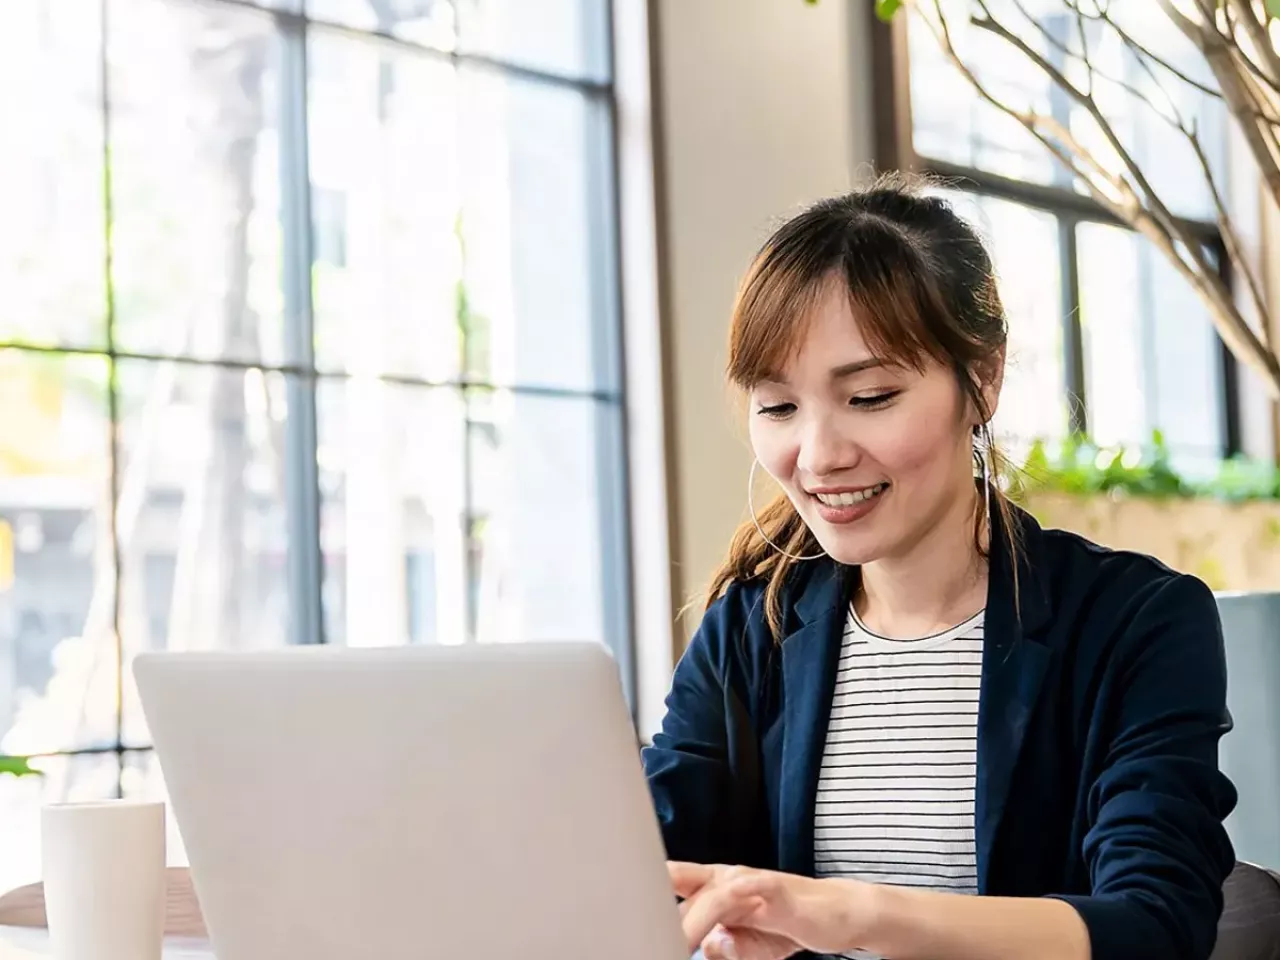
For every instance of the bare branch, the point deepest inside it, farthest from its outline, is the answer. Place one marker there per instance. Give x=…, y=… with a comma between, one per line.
x=1262, y=88
x=1153, y=220
x=1227, y=228
x=1103, y=14
x=1257, y=96
x=1145, y=58
x=1268, y=70
x=1253, y=109
x=1071, y=158
x=1102, y=74
x=1173, y=104
x=1083, y=99
x=1084, y=51
x=1230, y=237
x=1154, y=202
x=1239, y=95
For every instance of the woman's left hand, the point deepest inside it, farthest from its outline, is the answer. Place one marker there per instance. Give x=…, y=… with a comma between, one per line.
x=736, y=913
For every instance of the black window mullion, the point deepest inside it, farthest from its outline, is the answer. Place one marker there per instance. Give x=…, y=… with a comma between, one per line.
x=1229, y=371
x=610, y=419
x=113, y=386
x=304, y=558
x=1073, y=374
x=1229, y=368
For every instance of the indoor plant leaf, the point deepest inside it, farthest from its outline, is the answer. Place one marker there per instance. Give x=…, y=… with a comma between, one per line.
x=885, y=9
x=18, y=766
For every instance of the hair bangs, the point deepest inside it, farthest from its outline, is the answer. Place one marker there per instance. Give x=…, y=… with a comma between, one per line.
x=897, y=309
x=875, y=267
x=772, y=314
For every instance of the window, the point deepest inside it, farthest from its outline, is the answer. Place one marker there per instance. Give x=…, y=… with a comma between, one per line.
x=309, y=334
x=1105, y=336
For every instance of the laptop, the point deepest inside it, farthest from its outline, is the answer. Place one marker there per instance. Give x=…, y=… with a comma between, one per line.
x=459, y=803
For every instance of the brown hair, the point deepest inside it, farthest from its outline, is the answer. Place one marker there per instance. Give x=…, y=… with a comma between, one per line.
x=921, y=284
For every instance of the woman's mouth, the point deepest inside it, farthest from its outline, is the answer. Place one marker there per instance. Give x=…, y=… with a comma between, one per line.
x=846, y=506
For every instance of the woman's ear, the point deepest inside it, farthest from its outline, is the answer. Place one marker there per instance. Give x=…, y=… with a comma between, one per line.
x=991, y=380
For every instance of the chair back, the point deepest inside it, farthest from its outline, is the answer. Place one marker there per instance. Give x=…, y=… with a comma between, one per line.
x=1250, y=924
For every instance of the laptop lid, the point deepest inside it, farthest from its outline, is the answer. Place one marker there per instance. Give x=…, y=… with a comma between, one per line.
x=471, y=801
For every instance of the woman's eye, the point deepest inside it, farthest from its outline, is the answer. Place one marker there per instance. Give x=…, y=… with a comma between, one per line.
x=776, y=411
x=874, y=400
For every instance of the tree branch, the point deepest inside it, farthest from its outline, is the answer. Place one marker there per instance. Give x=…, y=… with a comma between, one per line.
x=1126, y=202
x=1085, y=100
x=1230, y=237
x=1153, y=220
x=1096, y=71
x=1104, y=15
x=1268, y=70
x=1084, y=48
x=1146, y=57
x=1257, y=131
x=1226, y=226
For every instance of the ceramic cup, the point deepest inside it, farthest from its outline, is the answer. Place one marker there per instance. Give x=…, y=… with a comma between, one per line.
x=104, y=879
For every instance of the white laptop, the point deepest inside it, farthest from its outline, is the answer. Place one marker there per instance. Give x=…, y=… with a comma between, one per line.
x=447, y=803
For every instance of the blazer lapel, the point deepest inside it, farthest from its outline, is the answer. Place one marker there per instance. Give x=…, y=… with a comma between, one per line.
x=1013, y=670
x=810, y=657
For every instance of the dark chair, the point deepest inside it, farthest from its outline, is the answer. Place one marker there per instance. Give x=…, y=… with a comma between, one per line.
x=1250, y=924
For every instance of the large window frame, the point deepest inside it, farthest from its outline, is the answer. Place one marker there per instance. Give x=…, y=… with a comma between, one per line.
x=305, y=559
x=894, y=149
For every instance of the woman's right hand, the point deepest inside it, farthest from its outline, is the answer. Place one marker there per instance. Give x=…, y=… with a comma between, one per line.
x=737, y=913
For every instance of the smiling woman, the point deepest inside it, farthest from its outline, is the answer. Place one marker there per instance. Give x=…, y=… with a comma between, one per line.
x=866, y=314
x=904, y=692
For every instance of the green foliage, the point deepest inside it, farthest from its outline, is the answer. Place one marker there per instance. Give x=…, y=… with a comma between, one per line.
x=1273, y=8
x=1083, y=468
x=885, y=9
x=17, y=766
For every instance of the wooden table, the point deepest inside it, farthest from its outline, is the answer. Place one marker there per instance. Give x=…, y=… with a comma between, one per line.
x=31, y=943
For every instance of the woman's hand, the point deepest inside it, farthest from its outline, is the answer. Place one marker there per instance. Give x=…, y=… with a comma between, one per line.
x=736, y=913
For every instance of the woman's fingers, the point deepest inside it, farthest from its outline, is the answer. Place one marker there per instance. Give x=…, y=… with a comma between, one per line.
x=763, y=884
x=743, y=943
x=719, y=945
x=688, y=878
x=717, y=905
x=703, y=912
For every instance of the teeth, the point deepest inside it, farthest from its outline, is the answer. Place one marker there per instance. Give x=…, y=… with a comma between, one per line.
x=849, y=499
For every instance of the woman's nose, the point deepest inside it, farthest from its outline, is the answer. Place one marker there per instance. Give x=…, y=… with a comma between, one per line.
x=824, y=451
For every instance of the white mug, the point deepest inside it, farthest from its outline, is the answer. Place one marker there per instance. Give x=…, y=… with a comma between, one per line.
x=104, y=879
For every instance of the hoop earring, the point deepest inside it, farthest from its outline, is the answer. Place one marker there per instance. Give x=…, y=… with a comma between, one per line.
x=751, y=481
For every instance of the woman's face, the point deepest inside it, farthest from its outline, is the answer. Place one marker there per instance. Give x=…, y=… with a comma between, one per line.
x=873, y=456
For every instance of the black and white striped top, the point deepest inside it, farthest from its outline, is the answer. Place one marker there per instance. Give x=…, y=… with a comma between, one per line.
x=895, y=797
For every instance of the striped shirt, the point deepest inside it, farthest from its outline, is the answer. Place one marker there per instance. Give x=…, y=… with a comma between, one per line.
x=895, y=799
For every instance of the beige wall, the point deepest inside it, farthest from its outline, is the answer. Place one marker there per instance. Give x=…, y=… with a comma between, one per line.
x=1230, y=546
x=761, y=106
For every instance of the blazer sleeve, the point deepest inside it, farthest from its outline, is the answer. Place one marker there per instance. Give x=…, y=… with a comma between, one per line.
x=701, y=768
x=1157, y=850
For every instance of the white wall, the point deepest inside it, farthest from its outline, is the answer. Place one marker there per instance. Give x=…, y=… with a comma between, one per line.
x=762, y=106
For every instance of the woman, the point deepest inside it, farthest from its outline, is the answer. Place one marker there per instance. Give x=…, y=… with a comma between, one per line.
x=904, y=691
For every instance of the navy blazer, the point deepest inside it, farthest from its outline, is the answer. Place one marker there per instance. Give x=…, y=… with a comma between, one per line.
x=1103, y=698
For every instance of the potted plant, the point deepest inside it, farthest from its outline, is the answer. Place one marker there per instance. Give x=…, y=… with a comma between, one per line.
x=1223, y=527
